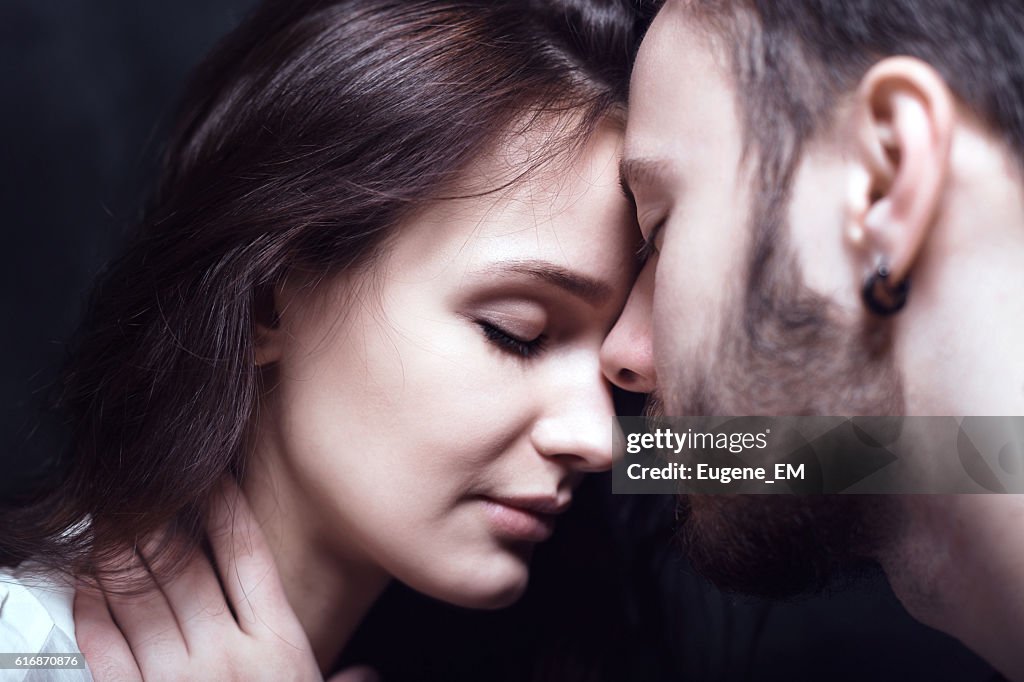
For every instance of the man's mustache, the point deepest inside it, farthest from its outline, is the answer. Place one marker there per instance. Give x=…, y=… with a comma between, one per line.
x=655, y=406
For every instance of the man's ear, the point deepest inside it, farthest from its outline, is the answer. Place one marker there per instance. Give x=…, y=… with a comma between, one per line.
x=904, y=117
x=267, y=321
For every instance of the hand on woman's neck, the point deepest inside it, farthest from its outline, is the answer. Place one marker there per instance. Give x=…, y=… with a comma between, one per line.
x=958, y=566
x=329, y=590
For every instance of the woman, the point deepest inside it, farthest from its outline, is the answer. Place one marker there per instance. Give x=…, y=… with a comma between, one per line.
x=372, y=287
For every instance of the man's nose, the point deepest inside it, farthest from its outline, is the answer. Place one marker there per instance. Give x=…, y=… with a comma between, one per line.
x=627, y=359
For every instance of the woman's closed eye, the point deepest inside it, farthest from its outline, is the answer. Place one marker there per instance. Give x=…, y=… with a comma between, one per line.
x=510, y=343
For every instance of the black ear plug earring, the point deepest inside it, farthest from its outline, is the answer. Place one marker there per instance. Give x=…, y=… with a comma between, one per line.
x=881, y=296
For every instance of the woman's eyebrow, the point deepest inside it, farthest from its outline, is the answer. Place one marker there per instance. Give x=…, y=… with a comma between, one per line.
x=586, y=288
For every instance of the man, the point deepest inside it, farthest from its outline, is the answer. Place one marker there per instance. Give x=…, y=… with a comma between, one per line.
x=832, y=194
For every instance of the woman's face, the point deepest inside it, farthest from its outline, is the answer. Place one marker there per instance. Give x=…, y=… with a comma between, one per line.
x=435, y=413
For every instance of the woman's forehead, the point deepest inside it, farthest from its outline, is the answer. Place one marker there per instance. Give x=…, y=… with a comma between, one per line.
x=568, y=212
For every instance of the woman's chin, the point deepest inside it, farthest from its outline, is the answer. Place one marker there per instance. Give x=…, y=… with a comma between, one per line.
x=487, y=597
x=499, y=583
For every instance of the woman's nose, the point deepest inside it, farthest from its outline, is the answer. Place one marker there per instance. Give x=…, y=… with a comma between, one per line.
x=578, y=427
x=627, y=359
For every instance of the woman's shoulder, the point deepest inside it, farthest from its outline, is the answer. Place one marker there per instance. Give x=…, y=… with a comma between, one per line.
x=37, y=617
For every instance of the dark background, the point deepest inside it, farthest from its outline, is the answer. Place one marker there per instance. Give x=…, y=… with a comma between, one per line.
x=87, y=91
x=87, y=88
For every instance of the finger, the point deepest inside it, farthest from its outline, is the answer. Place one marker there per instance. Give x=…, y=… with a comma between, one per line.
x=105, y=649
x=246, y=566
x=145, y=619
x=196, y=599
x=360, y=673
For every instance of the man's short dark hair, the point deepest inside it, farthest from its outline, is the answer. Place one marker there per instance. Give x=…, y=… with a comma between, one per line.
x=794, y=59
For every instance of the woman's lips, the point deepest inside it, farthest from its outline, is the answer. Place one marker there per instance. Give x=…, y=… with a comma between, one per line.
x=524, y=519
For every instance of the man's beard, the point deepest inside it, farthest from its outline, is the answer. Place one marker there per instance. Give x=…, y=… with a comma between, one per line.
x=786, y=351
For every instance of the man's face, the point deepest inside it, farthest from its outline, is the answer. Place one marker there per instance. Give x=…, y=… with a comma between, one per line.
x=749, y=316
x=682, y=164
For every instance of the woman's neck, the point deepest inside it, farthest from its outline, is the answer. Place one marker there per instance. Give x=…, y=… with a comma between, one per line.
x=330, y=589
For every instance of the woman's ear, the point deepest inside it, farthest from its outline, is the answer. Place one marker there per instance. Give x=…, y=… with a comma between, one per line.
x=904, y=117
x=267, y=321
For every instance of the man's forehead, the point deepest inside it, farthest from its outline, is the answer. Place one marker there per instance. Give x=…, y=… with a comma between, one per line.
x=682, y=97
x=644, y=160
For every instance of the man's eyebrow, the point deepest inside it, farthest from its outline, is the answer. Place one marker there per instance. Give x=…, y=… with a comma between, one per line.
x=590, y=290
x=637, y=171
